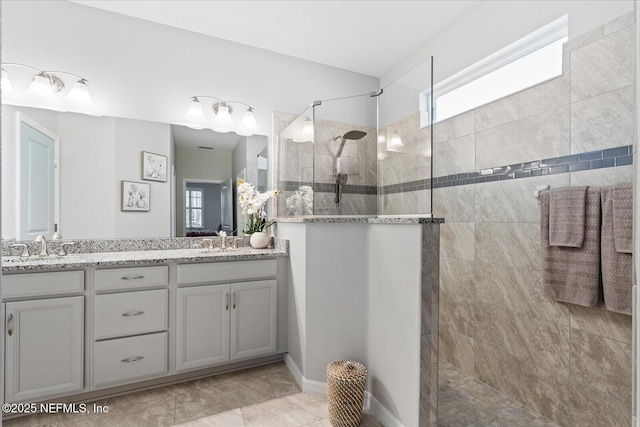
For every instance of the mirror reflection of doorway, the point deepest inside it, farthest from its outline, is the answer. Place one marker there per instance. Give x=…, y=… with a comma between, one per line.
x=206, y=208
x=38, y=183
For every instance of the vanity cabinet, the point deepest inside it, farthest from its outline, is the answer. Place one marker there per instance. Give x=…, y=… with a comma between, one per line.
x=44, y=337
x=98, y=330
x=216, y=323
x=131, y=323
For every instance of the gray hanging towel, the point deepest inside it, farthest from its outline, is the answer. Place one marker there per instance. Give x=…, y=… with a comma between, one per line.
x=616, y=265
x=623, y=217
x=567, y=216
x=573, y=274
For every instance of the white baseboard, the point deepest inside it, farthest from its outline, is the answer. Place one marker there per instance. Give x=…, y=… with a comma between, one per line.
x=295, y=371
x=370, y=403
x=381, y=413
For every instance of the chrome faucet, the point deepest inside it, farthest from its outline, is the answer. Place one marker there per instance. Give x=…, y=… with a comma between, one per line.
x=223, y=241
x=43, y=245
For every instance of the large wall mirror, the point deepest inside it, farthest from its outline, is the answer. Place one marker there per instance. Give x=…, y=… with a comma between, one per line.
x=71, y=173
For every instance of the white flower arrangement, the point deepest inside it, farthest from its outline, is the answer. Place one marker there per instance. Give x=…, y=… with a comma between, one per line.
x=301, y=202
x=252, y=203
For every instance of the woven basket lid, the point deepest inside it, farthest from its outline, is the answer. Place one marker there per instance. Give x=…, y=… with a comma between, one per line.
x=346, y=370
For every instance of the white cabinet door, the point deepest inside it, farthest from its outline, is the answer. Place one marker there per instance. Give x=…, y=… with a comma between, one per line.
x=202, y=336
x=44, y=348
x=253, y=318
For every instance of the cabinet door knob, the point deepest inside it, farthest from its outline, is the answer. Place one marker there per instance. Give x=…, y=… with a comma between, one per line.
x=234, y=299
x=132, y=359
x=9, y=319
x=132, y=313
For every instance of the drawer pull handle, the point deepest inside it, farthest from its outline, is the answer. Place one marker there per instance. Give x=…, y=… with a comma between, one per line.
x=227, y=300
x=132, y=277
x=9, y=330
x=132, y=313
x=132, y=359
x=234, y=300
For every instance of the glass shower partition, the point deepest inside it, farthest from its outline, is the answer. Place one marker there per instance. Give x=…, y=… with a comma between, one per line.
x=345, y=173
x=295, y=166
x=327, y=159
x=405, y=148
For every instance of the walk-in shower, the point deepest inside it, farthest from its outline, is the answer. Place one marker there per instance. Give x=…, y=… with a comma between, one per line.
x=341, y=177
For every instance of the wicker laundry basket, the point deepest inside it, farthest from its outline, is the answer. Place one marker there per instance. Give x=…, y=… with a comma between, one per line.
x=346, y=381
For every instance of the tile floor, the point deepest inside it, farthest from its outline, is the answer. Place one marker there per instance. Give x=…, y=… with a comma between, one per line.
x=264, y=396
x=465, y=401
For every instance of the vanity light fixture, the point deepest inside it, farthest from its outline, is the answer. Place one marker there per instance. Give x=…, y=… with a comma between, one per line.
x=223, y=122
x=395, y=141
x=307, y=128
x=46, y=84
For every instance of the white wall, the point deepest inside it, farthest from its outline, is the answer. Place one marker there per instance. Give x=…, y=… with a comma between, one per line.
x=495, y=24
x=354, y=292
x=394, y=318
x=296, y=291
x=132, y=137
x=88, y=195
x=148, y=71
x=336, y=296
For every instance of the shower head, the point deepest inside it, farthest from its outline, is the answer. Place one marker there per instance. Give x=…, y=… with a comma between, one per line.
x=353, y=135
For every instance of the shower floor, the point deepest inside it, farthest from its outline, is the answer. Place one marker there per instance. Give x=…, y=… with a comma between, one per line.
x=466, y=401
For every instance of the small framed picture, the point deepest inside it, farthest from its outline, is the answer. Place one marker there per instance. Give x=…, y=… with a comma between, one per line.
x=135, y=196
x=154, y=167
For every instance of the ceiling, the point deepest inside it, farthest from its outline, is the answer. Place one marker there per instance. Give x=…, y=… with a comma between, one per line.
x=185, y=137
x=368, y=37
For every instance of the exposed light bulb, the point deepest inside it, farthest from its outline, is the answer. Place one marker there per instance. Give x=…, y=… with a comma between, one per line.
x=80, y=93
x=381, y=138
x=195, y=113
x=248, y=125
x=396, y=141
x=6, y=82
x=41, y=86
x=223, y=122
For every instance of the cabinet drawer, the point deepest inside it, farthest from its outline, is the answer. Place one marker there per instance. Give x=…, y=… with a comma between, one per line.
x=224, y=271
x=132, y=277
x=131, y=313
x=127, y=359
x=37, y=284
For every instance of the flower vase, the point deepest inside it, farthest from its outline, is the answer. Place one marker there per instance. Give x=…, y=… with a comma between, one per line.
x=259, y=240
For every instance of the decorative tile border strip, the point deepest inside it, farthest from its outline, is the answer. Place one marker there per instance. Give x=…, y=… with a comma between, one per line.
x=324, y=187
x=607, y=158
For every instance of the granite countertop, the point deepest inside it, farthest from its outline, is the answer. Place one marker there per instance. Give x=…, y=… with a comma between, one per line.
x=126, y=258
x=361, y=219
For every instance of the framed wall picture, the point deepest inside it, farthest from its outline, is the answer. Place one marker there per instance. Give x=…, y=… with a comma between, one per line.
x=154, y=167
x=135, y=196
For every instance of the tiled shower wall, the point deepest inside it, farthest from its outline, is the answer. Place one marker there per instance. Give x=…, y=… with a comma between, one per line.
x=298, y=162
x=404, y=174
x=571, y=363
